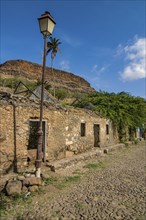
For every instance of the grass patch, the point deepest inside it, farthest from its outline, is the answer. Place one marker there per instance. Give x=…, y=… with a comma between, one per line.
x=80, y=205
x=66, y=181
x=3, y=204
x=72, y=179
x=126, y=145
x=94, y=165
x=13, y=82
x=142, y=217
x=50, y=180
x=135, y=141
x=7, y=204
x=61, y=182
x=78, y=172
x=60, y=185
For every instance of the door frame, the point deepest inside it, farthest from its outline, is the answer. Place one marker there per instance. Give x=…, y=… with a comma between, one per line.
x=96, y=135
x=44, y=135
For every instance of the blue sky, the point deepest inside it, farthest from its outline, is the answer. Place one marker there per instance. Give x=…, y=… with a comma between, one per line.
x=102, y=41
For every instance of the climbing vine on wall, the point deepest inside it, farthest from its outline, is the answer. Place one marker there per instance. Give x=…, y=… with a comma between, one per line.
x=125, y=110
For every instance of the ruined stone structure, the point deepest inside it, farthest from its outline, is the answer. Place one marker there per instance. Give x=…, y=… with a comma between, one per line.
x=67, y=131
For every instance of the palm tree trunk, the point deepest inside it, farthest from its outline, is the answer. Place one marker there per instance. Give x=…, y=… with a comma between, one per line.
x=53, y=77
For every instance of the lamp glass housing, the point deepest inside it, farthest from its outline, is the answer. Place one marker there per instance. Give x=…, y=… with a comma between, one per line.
x=46, y=23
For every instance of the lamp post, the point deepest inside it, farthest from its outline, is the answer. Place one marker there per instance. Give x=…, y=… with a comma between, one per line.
x=46, y=23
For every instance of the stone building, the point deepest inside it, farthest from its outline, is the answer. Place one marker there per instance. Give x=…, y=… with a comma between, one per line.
x=67, y=131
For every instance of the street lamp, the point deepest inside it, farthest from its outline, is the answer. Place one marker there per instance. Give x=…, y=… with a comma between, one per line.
x=47, y=24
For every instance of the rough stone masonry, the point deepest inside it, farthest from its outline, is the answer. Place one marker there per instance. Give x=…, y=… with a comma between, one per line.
x=67, y=131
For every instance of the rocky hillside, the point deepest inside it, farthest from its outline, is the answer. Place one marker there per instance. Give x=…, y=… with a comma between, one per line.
x=32, y=71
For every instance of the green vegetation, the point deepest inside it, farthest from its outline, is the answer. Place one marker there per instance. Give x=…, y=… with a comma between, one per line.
x=66, y=181
x=3, y=203
x=80, y=205
x=7, y=203
x=142, y=217
x=50, y=180
x=78, y=95
x=61, y=94
x=72, y=179
x=95, y=165
x=126, y=145
x=61, y=182
x=78, y=172
x=13, y=82
x=125, y=111
x=9, y=82
x=135, y=141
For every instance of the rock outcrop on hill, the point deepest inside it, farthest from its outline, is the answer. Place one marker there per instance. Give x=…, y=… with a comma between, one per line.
x=33, y=71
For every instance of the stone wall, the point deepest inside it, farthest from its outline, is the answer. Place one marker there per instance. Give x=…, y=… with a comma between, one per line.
x=63, y=131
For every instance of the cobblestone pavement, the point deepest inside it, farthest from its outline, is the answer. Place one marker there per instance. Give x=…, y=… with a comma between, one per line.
x=114, y=192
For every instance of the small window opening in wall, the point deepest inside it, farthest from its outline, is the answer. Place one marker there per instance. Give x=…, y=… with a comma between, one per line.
x=83, y=129
x=107, y=129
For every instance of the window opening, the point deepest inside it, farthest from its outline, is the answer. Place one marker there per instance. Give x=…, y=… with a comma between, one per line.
x=107, y=129
x=83, y=129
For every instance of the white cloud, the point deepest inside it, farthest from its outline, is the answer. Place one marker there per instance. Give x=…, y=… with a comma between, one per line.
x=97, y=70
x=135, y=55
x=102, y=69
x=64, y=64
x=94, y=68
x=119, y=50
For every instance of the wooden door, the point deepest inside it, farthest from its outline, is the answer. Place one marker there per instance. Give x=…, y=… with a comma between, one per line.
x=96, y=135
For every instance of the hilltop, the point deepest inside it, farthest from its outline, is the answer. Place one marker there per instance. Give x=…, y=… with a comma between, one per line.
x=24, y=70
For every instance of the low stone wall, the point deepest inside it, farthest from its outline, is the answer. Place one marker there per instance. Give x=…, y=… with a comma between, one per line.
x=62, y=164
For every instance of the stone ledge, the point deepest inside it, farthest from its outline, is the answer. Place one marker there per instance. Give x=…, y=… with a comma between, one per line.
x=61, y=164
x=112, y=148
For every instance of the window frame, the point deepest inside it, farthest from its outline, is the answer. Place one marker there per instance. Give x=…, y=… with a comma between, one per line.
x=107, y=129
x=83, y=129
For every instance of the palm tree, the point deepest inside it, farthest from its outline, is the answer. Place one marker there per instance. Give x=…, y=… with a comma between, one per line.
x=52, y=46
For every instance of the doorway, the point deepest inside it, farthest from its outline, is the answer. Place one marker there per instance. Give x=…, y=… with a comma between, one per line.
x=33, y=136
x=96, y=135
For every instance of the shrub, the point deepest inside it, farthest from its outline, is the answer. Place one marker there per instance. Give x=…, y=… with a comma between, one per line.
x=61, y=94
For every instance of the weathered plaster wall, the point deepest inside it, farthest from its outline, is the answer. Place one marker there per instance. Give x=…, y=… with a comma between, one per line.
x=63, y=132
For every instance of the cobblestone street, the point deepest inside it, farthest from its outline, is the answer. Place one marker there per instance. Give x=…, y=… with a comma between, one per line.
x=114, y=192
